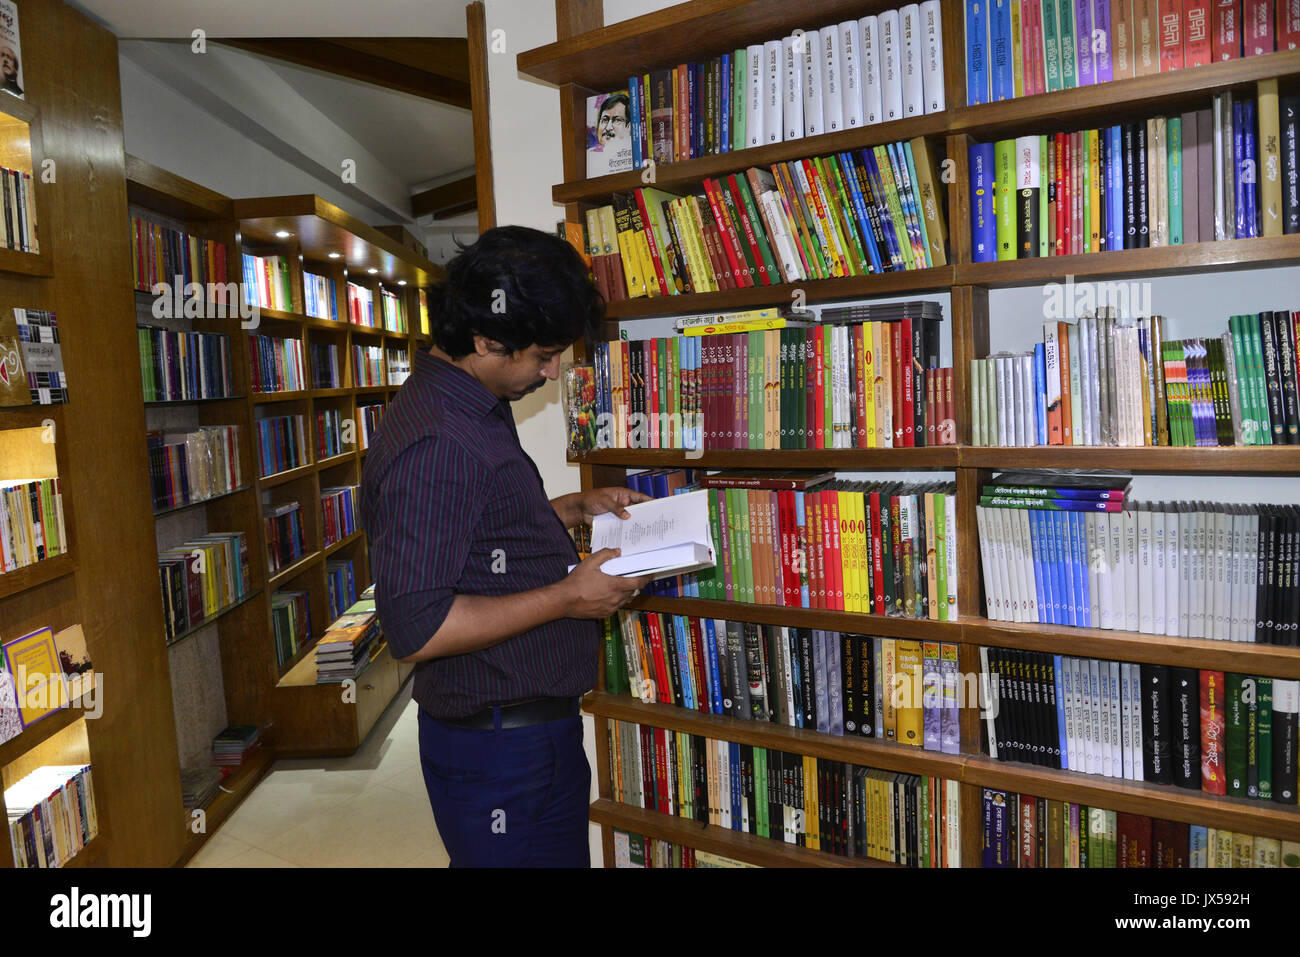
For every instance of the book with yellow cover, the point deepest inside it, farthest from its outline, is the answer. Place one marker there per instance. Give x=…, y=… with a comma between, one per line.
x=33, y=660
x=908, y=664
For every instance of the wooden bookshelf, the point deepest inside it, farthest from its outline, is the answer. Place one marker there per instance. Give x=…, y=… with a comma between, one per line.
x=589, y=57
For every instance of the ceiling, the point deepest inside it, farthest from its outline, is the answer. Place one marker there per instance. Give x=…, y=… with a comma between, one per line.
x=278, y=18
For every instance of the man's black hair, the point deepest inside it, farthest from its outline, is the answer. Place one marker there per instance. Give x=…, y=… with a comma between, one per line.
x=517, y=286
x=614, y=99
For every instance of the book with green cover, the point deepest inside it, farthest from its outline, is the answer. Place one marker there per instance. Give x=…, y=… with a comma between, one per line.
x=756, y=410
x=1174, y=164
x=1065, y=34
x=739, y=79
x=1044, y=231
x=615, y=660
x=1251, y=333
x=1004, y=207
x=1087, y=150
x=760, y=232
x=1051, y=47
x=1237, y=716
x=741, y=499
x=1264, y=702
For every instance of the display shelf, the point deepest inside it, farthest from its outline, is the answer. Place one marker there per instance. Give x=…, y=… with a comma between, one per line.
x=173, y=509
x=292, y=571
x=213, y=618
x=41, y=731
x=37, y=573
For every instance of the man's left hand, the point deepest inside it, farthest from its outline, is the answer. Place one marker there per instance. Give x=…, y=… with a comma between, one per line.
x=598, y=501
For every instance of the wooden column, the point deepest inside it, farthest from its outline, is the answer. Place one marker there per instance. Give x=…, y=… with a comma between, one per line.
x=476, y=25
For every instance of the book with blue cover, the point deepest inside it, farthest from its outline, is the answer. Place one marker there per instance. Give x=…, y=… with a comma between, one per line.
x=977, y=52
x=984, y=233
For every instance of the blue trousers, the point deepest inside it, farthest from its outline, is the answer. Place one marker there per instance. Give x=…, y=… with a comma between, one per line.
x=512, y=798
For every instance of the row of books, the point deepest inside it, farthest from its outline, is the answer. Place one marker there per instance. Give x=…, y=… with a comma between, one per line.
x=286, y=540
x=51, y=814
x=823, y=80
x=836, y=683
x=191, y=466
x=183, y=366
x=281, y=444
x=276, y=364
x=1022, y=47
x=161, y=254
x=326, y=370
x=200, y=577
x=1020, y=830
x=266, y=282
x=1228, y=734
x=348, y=645
x=1107, y=382
x=1184, y=569
x=32, y=359
x=319, y=296
x=367, y=365
x=290, y=623
x=330, y=429
x=848, y=214
x=368, y=417
x=32, y=528
x=361, y=306
x=339, y=507
x=825, y=805
x=394, y=312
x=20, y=226
x=341, y=585
x=398, y=364
x=638, y=851
x=1159, y=182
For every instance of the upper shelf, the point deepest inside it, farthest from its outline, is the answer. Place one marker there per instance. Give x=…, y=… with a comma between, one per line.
x=174, y=196
x=321, y=228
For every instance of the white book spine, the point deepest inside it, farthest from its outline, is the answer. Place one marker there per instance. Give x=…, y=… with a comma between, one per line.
x=1237, y=520
x=1222, y=538
x=773, y=100
x=932, y=56
x=1145, y=568
x=872, y=102
x=1158, y=553
x=1011, y=564
x=851, y=58
x=1070, y=758
x=1029, y=399
x=832, y=88
x=1104, y=565
x=992, y=606
x=1106, y=752
x=991, y=691
x=1051, y=348
x=793, y=268
x=1186, y=581
x=1094, y=558
x=950, y=527
x=1093, y=703
x=1002, y=536
x=1116, y=733
x=1030, y=600
x=810, y=46
x=1252, y=563
x=1118, y=573
x=891, y=75
x=1018, y=402
x=1126, y=719
x=754, y=121
x=1003, y=366
x=1198, y=582
x=1173, y=570
x=792, y=75
x=1074, y=375
x=913, y=67
x=1132, y=608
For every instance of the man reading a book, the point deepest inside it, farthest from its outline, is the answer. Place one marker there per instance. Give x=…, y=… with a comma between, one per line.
x=471, y=559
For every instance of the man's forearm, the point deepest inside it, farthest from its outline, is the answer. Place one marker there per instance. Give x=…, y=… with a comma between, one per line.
x=481, y=621
x=569, y=508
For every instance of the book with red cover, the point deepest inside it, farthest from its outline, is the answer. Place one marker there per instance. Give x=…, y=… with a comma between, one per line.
x=1214, y=726
x=1225, y=30
x=860, y=348
x=1196, y=33
x=789, y=571
x=1169, y=843
x=750, y=237
x=652, y=239
x=1134, y=840
x=835, y=538
x=1170, y=14
x=718, y=223
x=902, y=410
x=1288, y=26
x=1257, y=27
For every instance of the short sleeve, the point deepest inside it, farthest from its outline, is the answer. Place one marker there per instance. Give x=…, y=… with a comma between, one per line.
x=420, y=520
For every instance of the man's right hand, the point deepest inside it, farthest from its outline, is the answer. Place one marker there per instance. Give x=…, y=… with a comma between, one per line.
x=590, y=593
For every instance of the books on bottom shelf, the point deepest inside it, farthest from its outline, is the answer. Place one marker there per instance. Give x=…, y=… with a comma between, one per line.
x=199, y=786
x=825, y=805
x=51, y=815
x=636, y=850
x=1221, y=733
x=233, y=746
x=1020, y=830
x=348, y=645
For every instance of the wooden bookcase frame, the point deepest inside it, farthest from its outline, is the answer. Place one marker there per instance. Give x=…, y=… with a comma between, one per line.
x=589, y=57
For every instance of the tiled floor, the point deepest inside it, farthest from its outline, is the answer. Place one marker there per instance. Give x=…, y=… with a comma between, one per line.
x=369, y=809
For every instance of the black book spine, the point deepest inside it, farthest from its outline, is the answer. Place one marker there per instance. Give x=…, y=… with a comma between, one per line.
x=1186, y=714
x=1046, y=722
x=1272, y=376
x=1219, y=391
x=1049, y=686
x=867, y=678
x=1021, y=747
x=1027, y=223
x=1287, y=357
x=1261, y=576
x=1291, y=621
x=1140, y=189
x=747, y=786
x=1156, y=724
x=1130, y=187
x=849, y=682
x=1289, y=108
x=701, y=772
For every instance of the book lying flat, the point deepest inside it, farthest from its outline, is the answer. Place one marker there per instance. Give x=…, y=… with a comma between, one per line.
x=663, y=537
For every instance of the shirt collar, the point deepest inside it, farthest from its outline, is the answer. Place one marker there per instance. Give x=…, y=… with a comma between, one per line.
x=454, y=383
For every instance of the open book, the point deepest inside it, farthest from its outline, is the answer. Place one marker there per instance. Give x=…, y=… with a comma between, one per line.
x=663, y=537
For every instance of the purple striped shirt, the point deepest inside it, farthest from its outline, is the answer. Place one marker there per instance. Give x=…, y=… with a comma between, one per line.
x=452, y=504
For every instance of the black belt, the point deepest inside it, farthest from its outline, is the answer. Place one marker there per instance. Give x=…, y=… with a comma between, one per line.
x=520, y=714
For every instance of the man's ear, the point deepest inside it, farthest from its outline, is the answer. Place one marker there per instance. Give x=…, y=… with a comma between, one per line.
x=482, y=345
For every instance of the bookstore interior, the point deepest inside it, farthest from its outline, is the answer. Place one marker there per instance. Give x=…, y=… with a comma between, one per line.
x=942, y=389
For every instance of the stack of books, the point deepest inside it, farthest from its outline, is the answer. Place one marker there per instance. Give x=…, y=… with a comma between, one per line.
x=341, y=583
x=1164, y=181
x=339, y=512
x=1020, y=830
x=1105, y=381
x=233, y=746
x=823, y=80
x=368, y=417
x=291, y=623
x=348, y=644
x=394, y=312
x=398, y=365
x=51, y=815
x=825, y=805
x=329, y=433
x=638, y=851
x=199, y=786
x=1022, y=47
x=848, y=214
x=326, y=371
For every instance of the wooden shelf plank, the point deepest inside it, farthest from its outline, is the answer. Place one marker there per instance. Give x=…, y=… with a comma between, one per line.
x=26, y=264
x=686, y=175
x=344, y=542
x=173, y=509
x=214, y=617
x=44, y=729
x=287, y=476
x=266, y=398
x=936, y=279
x=297, y=568
x=932, y=457
x=37, y=573
x=803, y=617
x=749, y=848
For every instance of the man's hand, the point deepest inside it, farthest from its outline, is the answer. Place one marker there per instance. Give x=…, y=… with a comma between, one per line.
x=590, y=593
x=614, y=499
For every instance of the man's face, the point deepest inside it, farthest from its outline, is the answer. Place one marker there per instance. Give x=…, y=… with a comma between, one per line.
x=8, y=64
x=513, y=375
x=612, y=123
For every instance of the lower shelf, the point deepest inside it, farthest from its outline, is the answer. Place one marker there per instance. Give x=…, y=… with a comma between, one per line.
x=749, y=848
x=233, y=791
